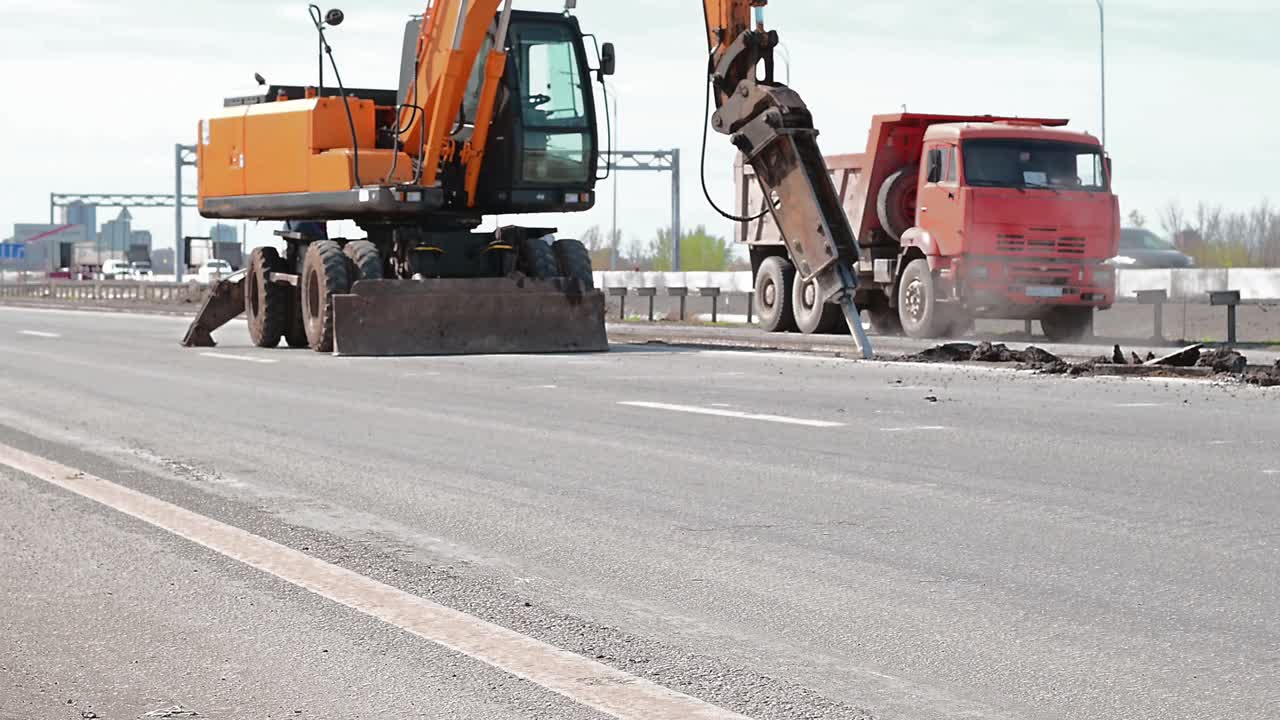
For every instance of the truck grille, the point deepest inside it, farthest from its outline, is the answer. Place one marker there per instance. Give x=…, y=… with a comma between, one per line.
x=1021, y=245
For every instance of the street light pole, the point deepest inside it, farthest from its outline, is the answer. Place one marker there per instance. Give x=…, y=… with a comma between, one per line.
x=1102, y=36
x=613, y=234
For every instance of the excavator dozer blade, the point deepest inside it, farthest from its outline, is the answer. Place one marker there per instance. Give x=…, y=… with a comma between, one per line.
x=223, y=304
x=468, y=317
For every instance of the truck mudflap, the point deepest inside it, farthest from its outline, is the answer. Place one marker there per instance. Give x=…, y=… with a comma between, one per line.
x=512, y=315
x=224, y=303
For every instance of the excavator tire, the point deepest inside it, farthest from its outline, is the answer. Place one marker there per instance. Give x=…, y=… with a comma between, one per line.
x=296, y=336
x=537, y=259
x=266, y=305
x=366, y=261
x=574, y=261
x=324, y=274
x=896, y=201
x=775, y=286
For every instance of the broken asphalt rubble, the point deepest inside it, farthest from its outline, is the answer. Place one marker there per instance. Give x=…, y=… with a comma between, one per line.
x=1193, y=361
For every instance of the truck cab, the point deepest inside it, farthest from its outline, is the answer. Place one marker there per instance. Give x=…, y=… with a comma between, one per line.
x=1016, y=220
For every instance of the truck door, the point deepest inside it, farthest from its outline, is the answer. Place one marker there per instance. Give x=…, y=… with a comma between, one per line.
x=940, y=212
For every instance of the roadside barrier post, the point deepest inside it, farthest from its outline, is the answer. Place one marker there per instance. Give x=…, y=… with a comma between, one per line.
x=1229, y=298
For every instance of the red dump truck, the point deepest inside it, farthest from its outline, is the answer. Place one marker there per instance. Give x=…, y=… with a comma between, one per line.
x=958, y=217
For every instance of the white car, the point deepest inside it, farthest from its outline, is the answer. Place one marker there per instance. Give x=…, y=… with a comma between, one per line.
x=213, y=270
x=115, y=270
x=140, y=270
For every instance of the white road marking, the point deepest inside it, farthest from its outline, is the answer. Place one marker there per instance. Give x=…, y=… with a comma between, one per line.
x=586, y=682
x=694, y=410
x=1271, y=472
x=241, y=358
x=545, y=387
x=1138, y=405
x=39, y=334
x=918, y=428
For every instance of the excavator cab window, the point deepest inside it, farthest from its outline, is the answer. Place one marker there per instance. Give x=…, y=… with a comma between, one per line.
x=553, y=104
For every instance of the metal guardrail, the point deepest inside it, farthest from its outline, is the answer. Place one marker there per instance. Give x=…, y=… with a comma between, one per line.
x=103, y=290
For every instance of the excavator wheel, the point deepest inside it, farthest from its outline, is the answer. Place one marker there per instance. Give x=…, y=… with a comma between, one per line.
x=574, y=261
x=366, y=261
x=324, y=274
x=266, y=305
x=813, y=317
x=537, y=259
x=896, y=201
x=775, y=287
x=296, y=336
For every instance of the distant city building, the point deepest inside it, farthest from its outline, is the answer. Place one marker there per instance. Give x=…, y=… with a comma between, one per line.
x=162, y=261
x=116, y=235
x=78, y=213
x=43, y=247
x=224, y=234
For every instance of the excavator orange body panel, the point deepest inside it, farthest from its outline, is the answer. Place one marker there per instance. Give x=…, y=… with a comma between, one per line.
x=293, y=147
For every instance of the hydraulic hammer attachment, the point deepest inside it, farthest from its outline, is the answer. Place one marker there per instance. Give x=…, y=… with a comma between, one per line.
x=773, y=127
x=224, y=303
x=514, y=314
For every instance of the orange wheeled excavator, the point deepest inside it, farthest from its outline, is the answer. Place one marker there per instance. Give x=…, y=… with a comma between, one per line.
x=494, y=115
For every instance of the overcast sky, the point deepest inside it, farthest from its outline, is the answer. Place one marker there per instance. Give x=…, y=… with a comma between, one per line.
x=98, y=92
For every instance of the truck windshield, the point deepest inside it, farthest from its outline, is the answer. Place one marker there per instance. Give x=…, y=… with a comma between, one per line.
x=1034, y=164
x=557, y=139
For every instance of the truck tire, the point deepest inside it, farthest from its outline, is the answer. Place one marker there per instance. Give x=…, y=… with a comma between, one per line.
x=537, y=259
x=775, y=286
x=884, y=319
x=266, y=305
x=366, y=261
x=324, y=274
x=896, y=201
x=574, y=261
x=813, y=317
x=296, y=336
x=1067, y=324
x=918, y=308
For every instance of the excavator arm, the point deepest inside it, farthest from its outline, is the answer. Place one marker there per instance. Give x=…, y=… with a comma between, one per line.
x=773, y=128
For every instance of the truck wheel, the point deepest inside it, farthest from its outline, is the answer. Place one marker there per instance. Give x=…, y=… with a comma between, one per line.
x=896, y=201
x=574, y=261
x=537, y=259
x=366, y=261
x=324, y=274
x=884, y=319
x=296, y=336
x=918, y=302
x=266, y=305
x=775, y=285
x=1067, y=324
x=813, y=317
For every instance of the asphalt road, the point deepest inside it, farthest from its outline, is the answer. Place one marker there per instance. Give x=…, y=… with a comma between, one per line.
x=780, y=536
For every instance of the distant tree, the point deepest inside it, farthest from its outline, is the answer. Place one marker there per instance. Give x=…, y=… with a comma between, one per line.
x=1137, y=219
x=1219, y=238
x=700, y=251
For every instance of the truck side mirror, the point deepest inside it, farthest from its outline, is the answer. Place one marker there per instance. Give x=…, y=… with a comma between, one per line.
x=1107, y=161
x=608, y=60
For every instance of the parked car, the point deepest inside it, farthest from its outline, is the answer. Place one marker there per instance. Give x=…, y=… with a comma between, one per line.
x=213, y=270
x=140, y=270
x=115, y=270
x=1143, y=249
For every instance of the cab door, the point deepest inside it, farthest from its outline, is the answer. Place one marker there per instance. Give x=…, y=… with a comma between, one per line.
x=939, y=209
